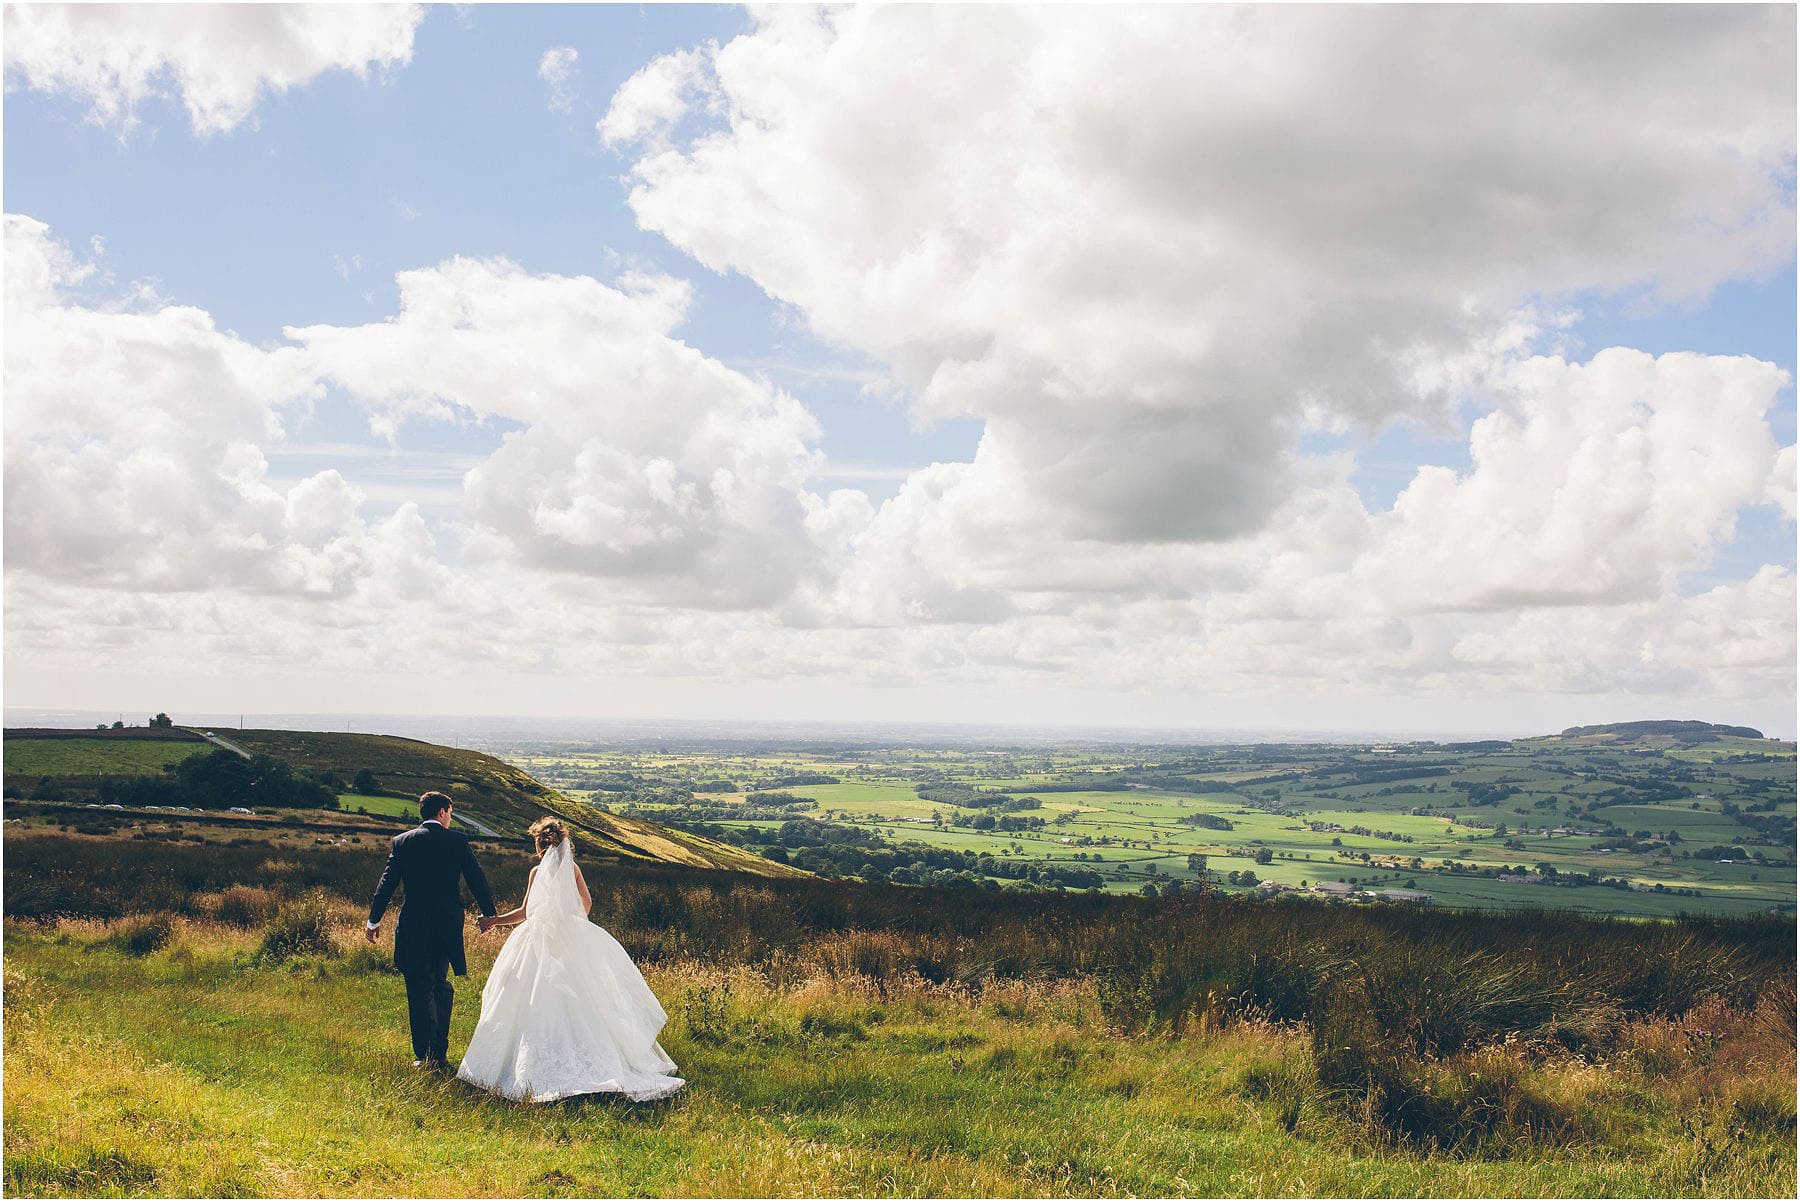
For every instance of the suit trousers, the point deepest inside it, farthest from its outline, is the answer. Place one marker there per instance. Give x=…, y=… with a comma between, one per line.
x=429, y=997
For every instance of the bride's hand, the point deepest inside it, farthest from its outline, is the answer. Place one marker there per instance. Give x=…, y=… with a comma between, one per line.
x=483, y=923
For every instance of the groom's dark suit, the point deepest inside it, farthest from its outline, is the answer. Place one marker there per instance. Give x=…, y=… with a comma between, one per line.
x=431, y=861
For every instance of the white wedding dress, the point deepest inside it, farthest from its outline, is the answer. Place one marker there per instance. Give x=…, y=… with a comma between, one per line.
x=565, y=1011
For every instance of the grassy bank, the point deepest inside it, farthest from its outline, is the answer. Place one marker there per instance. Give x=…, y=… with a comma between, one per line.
x=171, y=1058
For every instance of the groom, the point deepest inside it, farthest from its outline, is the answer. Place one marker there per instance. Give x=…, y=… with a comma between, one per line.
x=428, y=941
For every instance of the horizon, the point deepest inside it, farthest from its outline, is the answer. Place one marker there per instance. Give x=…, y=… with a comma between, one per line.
x=492, y=728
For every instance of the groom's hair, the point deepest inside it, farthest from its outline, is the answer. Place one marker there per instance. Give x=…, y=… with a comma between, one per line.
x=432, y=804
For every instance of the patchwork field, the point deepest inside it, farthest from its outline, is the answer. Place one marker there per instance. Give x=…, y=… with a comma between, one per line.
x=1631, y=821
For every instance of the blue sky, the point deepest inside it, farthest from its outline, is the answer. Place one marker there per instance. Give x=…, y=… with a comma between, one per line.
x=302, y=214
x=456, y=153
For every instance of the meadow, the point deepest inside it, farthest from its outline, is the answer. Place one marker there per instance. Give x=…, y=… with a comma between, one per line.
x=201, y=1017
x=33, y=758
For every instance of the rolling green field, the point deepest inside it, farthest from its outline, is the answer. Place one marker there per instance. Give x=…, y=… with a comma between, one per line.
x=95, y=757
x=1630, y=815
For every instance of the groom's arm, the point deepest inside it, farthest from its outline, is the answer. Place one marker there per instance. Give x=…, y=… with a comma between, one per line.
x=384, y=890
x=471, y=870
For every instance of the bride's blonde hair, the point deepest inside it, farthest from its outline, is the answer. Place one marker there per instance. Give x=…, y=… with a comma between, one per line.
x=548, y=832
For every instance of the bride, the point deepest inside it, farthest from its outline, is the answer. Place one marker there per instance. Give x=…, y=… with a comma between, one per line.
x=565, y=1011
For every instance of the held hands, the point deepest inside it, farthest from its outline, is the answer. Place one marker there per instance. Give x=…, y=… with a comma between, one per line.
x=485, y=923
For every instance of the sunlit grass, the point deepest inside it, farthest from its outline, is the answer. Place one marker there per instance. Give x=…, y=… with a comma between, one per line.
x=374, y=804
x=199, y=1069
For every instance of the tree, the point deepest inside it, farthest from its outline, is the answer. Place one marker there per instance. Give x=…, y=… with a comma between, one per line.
x=162, y=721
x=1197, y=863
x=225, y=778
x=365, y=781
x=1265, y=856
x=118, y=724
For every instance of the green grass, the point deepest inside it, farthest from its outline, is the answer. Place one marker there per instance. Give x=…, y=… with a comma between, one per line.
x=96, y=757
x=195, y=1070
x=399, y=807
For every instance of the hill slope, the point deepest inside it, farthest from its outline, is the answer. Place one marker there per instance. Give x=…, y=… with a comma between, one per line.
x=491, y=792
x=496, y=793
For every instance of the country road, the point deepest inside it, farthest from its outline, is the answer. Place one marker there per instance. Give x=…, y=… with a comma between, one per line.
x=461, y=815
x=212, y=738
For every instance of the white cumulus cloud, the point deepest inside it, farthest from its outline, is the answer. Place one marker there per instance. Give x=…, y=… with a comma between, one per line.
x=1146, y=246
x=219, y=59
x=639, y=461
x=134, y=446
x=654, y=98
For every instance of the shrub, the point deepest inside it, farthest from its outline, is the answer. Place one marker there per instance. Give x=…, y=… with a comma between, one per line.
x=245, y=906
x=1487, y=1101
x=299, y=928
x=143, y=936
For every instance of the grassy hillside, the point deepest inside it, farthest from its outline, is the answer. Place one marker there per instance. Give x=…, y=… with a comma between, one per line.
x=29, y=759
x=232, y=1035
x=493, y=792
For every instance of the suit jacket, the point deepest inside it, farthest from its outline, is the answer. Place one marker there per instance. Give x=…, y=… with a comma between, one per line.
x=431, y=861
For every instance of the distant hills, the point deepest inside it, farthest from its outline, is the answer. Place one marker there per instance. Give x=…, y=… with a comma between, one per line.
x=1685, y=732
